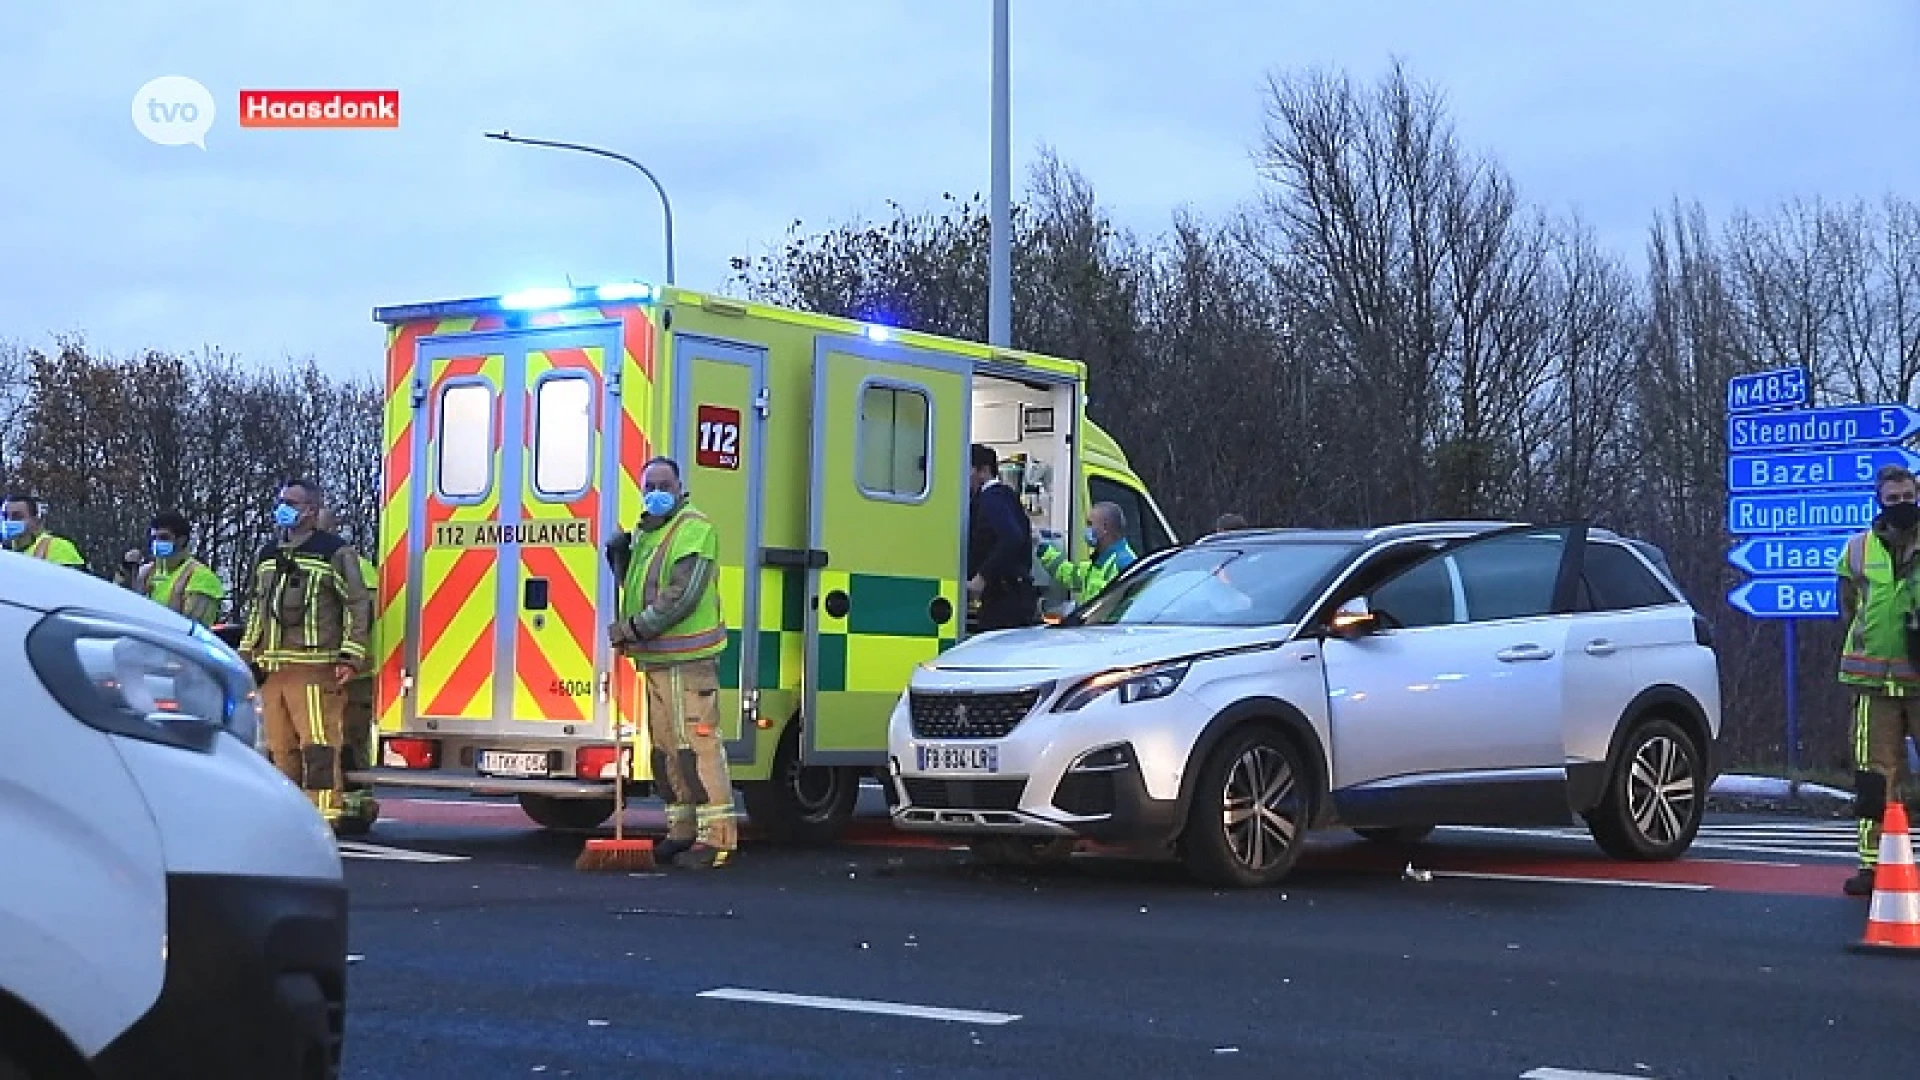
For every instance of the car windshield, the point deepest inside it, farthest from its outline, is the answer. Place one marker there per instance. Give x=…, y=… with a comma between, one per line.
x=1219, y=584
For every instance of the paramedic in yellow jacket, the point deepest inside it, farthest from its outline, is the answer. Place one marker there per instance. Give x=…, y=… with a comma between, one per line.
x=1106, y=535
x=307, y=628
x=670, y=624
x=21, y=530
x=358, y=739
x=175, y=579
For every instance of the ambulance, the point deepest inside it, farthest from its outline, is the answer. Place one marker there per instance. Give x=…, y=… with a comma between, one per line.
x=832, y=456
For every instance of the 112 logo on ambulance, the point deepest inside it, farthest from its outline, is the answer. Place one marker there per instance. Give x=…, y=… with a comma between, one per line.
x=719, y=446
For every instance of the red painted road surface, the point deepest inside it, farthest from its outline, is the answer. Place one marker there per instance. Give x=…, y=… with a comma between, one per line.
x=1728, y=875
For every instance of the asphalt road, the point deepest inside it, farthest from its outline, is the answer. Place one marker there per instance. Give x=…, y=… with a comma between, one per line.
x=1522, y=955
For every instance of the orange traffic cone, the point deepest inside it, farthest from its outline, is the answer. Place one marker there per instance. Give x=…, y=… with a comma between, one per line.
x=1893, y=922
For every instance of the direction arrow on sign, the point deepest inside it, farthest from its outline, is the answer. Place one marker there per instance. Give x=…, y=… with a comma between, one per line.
x=1813, y=468
x=1772, y=556
x=1788, y=598
x=1833, y=510
x=1842, y=425
x=1780, y=388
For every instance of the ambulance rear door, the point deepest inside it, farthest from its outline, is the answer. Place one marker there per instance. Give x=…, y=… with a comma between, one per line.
x=506, y=626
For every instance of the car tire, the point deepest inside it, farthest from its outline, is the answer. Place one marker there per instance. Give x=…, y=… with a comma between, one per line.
x=566, y=815
x=1397, y=834
x=1252, y=764
x=1637, y=821
x=806, y=805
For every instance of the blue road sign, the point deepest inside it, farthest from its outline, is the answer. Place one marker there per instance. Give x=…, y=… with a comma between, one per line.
x=1774, y=556
x=1780, y=388
x=1842, y=425
x=1788, y=598
x=1813, y=468
x=1833, y=510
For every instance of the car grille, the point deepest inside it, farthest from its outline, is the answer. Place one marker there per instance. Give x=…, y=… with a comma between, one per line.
x=965, y=794
x=970, y=716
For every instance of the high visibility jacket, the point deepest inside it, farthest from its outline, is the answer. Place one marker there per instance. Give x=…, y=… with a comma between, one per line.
x=1085, y=579
x=1873, y=654
x=310, y=606
x=55, y=549
x=682, y=624
x=171, y=586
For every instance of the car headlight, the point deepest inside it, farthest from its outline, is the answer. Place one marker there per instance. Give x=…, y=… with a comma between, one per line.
x=145, y=682
x=1132, y=684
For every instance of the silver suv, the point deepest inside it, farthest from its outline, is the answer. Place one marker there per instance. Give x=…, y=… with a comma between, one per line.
x=1221, y=698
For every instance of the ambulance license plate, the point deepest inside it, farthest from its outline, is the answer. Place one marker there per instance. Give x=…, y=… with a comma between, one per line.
x=512, y=763
x=965, y=759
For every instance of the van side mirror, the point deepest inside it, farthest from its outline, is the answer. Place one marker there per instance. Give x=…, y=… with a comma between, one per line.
x=1353, y=619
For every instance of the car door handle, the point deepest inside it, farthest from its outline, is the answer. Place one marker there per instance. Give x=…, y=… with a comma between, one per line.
x=1524, y=652
x=1600, y=647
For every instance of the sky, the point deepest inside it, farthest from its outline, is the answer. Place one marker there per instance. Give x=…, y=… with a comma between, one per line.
x=270, y=244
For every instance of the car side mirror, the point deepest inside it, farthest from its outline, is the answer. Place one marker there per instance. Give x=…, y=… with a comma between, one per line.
x=1353, y=619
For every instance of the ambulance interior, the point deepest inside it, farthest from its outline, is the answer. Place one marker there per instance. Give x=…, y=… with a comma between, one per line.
x=1027, y=424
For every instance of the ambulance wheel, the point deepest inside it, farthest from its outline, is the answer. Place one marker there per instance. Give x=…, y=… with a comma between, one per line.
x=799, y=803
x=566, y=815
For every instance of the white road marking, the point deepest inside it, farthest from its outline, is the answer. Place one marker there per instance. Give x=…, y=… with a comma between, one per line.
x=882, y=1008
x=355, y=849
x=1812, y=840
x=1550, y=1073
x=1676, y=886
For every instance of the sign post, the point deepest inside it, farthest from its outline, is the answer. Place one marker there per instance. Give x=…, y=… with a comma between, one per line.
x=1799, y=482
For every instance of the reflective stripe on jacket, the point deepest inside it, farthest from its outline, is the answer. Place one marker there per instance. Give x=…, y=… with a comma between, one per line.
x=699, y=632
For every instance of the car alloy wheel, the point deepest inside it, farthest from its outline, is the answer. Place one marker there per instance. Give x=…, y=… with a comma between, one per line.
x=1260, y=809
x=1661, y=790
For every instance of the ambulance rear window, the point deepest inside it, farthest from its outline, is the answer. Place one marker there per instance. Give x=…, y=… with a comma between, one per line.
x=466, y=441
x=893, y=442
x=562, y=437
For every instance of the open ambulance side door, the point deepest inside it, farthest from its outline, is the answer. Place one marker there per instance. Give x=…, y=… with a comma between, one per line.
x=888, y=510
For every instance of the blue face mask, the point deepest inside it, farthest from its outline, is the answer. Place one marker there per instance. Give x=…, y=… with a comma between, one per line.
x=285, y=516
x=163, y=549
x=1092, y=537
x=658, y=503
x=12, y=530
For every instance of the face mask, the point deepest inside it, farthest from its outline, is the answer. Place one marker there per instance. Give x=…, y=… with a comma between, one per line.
x=1901, y=517
x=1093, y=537
x=658, y=503
x=163, y=549
x=12, y=530
x=285, y=516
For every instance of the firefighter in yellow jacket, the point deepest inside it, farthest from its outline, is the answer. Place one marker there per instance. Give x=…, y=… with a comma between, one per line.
x=358, y=738
x=307, y=629
x=1879, y=574
x=670, y=624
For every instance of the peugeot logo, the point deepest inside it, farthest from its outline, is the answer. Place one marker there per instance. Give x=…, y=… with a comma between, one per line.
x=960, y=717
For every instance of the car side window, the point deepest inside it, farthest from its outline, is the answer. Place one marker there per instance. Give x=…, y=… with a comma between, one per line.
x=1420, y=596
x=1612, y=579
x=1511, y=576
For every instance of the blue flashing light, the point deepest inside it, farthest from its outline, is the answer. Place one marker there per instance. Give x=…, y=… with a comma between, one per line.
x=532, y=299
x=624, y=290
x=878, y=333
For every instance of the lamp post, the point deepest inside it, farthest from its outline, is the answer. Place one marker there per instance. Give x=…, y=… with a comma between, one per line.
x=1000, y=225
x=666, y=206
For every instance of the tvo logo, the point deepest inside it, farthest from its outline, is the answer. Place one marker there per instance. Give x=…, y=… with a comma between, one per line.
x=173, y=110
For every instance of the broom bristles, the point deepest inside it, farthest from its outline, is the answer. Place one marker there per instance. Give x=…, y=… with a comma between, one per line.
x=616, y=855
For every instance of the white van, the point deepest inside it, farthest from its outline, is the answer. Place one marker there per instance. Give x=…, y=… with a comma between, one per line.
x=170, y=905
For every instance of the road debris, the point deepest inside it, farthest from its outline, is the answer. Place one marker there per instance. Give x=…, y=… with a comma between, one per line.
x=1412, y=873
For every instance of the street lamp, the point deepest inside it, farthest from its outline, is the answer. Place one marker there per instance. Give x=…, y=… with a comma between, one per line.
x=1000, y=221
x=666, y=207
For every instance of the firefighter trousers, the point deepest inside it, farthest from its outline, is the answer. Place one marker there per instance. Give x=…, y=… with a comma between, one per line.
x=1881, y=724
x=357, y=745
x=690, y=752
x=305, y=711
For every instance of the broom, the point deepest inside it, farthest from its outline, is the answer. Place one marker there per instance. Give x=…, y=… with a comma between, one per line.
x=620, y=854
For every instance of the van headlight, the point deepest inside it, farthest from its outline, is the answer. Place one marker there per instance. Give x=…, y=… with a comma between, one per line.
x=145, y=682
x=1132, y=684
